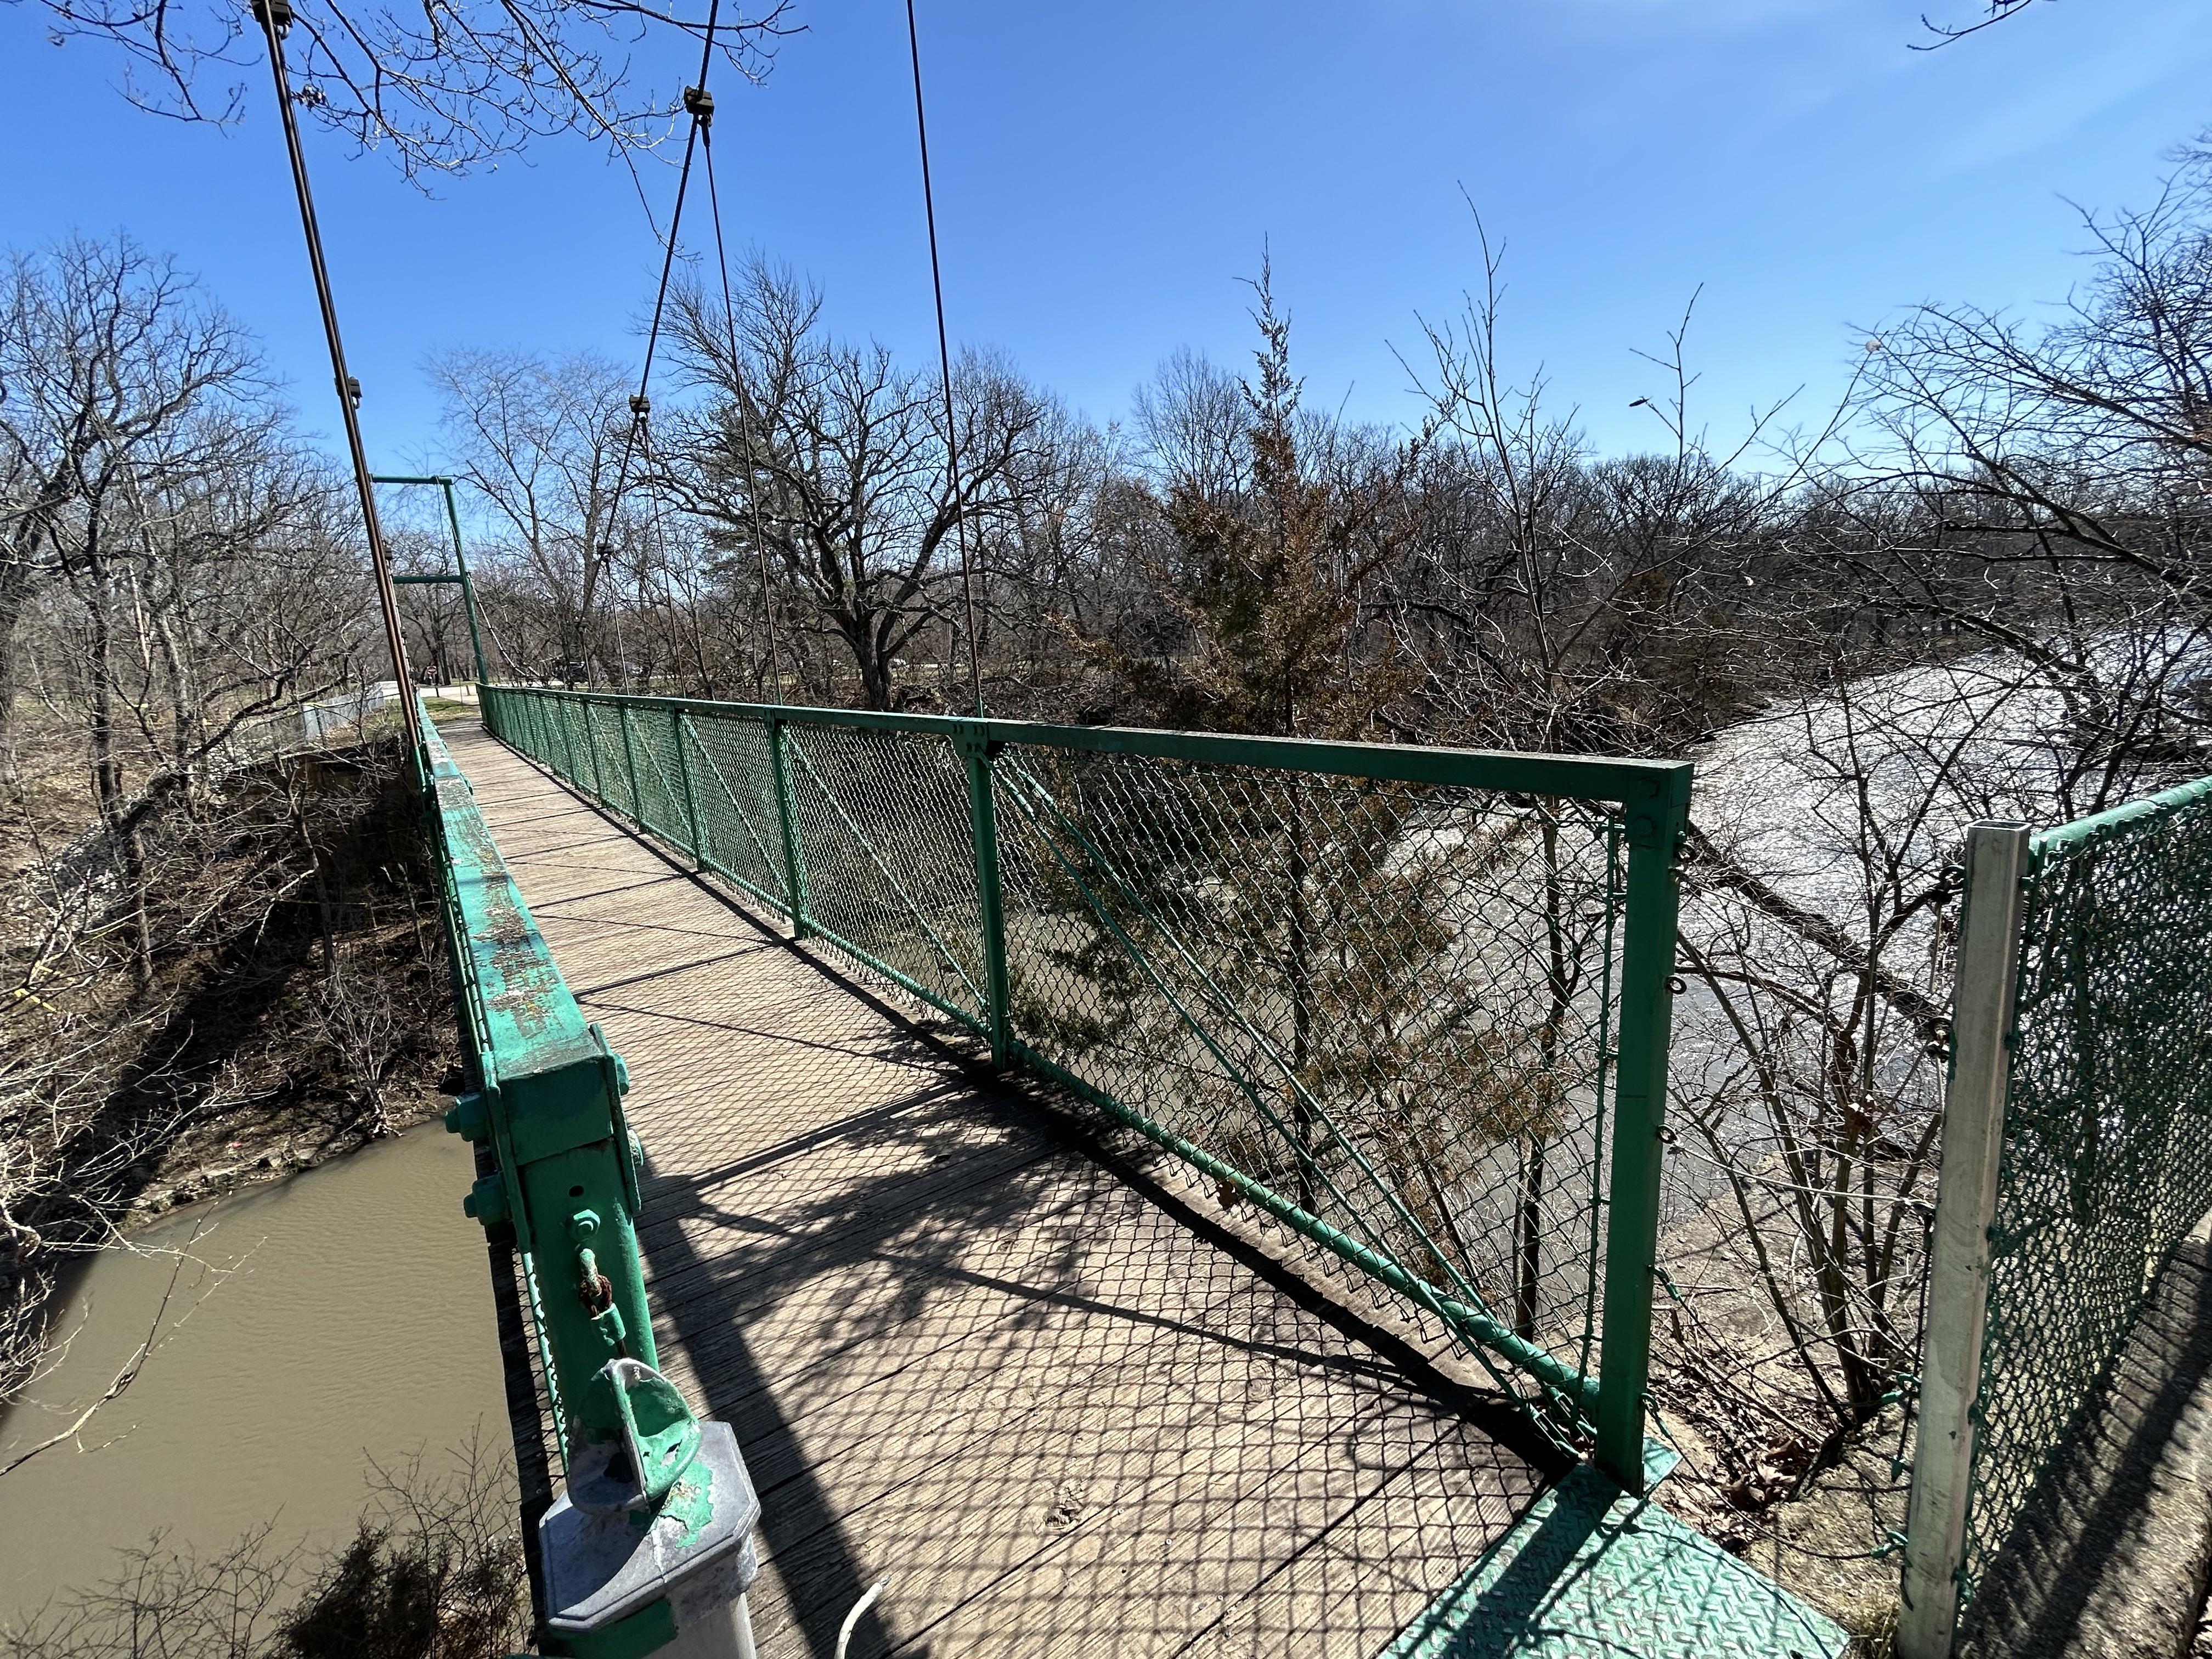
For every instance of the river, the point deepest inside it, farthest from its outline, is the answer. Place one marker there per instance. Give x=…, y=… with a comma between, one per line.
x=341, y=1316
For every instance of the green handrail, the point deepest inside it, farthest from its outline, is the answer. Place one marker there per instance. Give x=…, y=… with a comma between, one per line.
x=1642, y=804
x=548, y=1100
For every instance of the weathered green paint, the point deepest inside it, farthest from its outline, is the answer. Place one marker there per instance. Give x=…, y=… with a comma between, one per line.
x=651, y=1627
x=549, y=1100
x=1658, y=822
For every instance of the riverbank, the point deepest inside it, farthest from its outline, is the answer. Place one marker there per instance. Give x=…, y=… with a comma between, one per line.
x=229, y=1152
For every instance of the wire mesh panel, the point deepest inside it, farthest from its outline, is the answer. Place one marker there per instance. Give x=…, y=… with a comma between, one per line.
x=733, y=787
x=1390, y=1003
x=2107, y=1158
x=1390, y=996
x=650, y=738
x=886, y=837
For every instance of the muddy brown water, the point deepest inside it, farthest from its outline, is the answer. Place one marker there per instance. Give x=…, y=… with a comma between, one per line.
x=342, y=1315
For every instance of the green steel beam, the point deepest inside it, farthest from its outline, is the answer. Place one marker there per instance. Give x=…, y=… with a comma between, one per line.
x=1575, y=777
x=2110, y=822
x=794, y=858
x=977, y=751
x=551, y=1105
x=1657, y=824
x=460, y=559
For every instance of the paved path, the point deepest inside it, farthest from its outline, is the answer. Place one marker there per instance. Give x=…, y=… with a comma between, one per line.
x=961, y=1345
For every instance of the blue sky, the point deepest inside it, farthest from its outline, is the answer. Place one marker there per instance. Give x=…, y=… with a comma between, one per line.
x=1107, y=176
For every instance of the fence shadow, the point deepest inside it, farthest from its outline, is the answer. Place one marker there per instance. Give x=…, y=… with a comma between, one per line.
x=2120, y=1504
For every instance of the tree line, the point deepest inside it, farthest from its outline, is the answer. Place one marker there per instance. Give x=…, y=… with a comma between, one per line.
x=1979, y=586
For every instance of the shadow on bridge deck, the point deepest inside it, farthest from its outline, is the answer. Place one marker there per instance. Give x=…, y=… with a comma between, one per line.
x=961, y=1342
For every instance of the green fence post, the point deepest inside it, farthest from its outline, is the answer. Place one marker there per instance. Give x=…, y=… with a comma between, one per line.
x=558, y=754
x=1656, y=824
x=977, y=750
x=690, y=798
x=629, y=762
x=794, y=861
x=558, y=712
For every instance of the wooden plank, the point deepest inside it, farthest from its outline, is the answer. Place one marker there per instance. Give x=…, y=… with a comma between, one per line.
x=1376, y=1568
x=1153, y=1572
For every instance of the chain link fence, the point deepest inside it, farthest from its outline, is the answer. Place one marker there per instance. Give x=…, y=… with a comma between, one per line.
x=1409, y=1003
x=2107, y=1158
x=2077, y=1156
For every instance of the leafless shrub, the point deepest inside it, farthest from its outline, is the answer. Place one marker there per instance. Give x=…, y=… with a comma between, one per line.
x=434, y=1572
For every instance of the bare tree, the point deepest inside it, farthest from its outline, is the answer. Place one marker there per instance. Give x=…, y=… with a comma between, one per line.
x=829, y=460
x=544, y=440
x=457, y=85
x=2056, y=484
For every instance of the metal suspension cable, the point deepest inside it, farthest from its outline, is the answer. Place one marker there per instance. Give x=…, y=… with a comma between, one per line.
x=275, y=19
x=701, y=108
x=944, y=370
x=745, y=415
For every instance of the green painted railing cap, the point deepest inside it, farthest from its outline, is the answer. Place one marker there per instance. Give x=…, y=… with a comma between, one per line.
x=1581, y=777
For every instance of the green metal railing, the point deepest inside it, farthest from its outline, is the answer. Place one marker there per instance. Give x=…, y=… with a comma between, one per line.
x=1412, y=1003
x=2107, y=1160
x=545, y=1100
x=2077, y=1154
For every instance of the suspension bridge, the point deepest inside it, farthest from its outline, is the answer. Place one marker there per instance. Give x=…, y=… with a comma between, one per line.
x=1116, y=1193
x=1075, y=1382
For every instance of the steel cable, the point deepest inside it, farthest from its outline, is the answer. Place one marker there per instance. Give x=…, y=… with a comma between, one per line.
x=944, y=370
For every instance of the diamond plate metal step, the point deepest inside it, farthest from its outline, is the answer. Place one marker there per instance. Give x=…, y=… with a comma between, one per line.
x=1591, y=1571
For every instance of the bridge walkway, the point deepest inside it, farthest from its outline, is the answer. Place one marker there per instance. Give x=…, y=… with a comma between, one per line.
x=964, y=1343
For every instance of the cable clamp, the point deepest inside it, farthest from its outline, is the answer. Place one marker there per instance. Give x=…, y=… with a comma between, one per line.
x=699, y=104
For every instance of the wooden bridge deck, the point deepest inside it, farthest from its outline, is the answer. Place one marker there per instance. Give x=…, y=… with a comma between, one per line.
x=961, y=1343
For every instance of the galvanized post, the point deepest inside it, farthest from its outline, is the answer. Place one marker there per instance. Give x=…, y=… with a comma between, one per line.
x=1958, y=1262
x=795, y=860
x=1655, y=828
x=676, y=724
x=977, y=751
x=630, y=761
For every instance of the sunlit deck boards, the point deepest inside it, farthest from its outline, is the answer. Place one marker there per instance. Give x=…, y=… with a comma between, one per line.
x=957, y=1347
